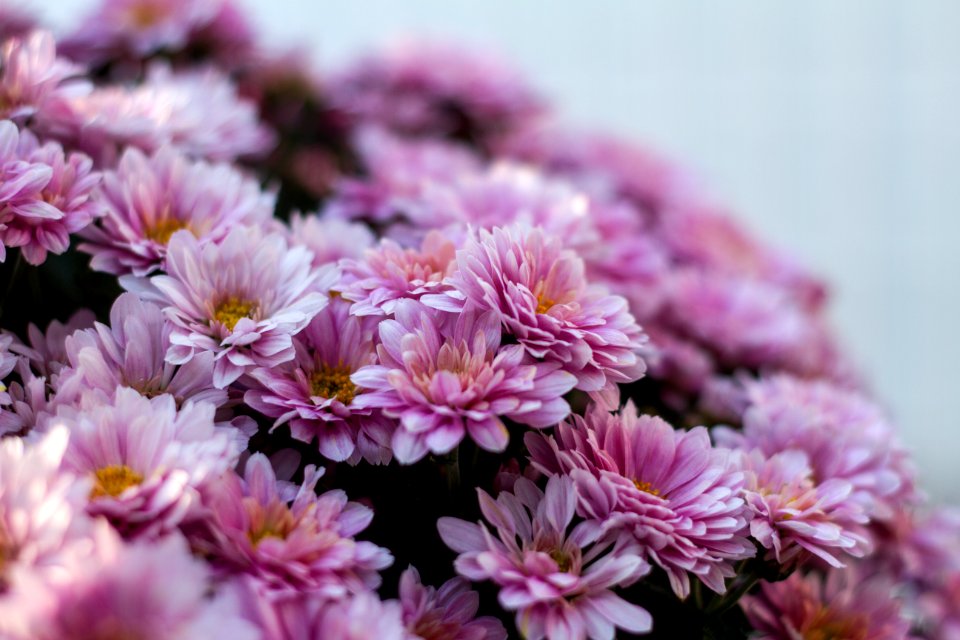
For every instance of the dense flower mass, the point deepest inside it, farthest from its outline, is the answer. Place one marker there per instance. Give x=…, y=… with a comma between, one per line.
x=273, y=335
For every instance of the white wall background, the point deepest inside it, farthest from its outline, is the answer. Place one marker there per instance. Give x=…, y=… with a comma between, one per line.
x=831, y=127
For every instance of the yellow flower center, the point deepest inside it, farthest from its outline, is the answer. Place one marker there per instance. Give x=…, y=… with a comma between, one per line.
x=113, y=480
x=333, y=382
x=544, y=304
x=163, y=229
x=563, y=559
x=232, y=310
x=271, y=521
x=146, y=14
x=646, y=487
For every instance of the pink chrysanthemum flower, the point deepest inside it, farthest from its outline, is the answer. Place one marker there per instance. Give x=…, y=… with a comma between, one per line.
x=147, y=199
x=330, y=239
x=447, y=613
x=130, y=353
x=538, y=291
x=794, y=516
x=141, y=590
x=31, y=74
x=45, y=194
x=314, y=394
x=435, y=89
x=448, y=377
x=559, y=583
x=242, y=299
x=389, y=273
x=844, y=435
x=47, y=351
x=148, y=460
x=306, y=617
x=839, y=607
x=16, y=20
x=198, y=112
x=671, y=490
x=290, y=540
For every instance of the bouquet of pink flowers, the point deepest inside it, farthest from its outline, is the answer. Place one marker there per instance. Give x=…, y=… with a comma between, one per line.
x=385, y=352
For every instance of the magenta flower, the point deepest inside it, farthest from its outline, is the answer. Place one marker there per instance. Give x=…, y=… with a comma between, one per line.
x=314, y=394
x=45, y=195
x=148, y=199
x=538, y=291
x=449, y=376
x=389, y=273
x=148, y=460
x=290, y=540
x=794, y=516
x=670, y=490
x=46, y=351
x=435, y=89
x=844, y=436
x=842, y=606
x=448, y=613
x=141, y=590
x=31, y=75
x=559, y=583
x=306, y=617
x=15, y=19
x=330, y=239
x=242, y=300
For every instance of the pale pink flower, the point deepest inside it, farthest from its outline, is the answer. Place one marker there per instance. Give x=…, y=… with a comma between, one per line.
x=447, y=613
x=32, y=76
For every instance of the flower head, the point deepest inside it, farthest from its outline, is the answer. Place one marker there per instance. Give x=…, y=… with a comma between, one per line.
x=241, y=300
x=447, y=613
x=448, y=376
x=670, y=490
x=330, y=239
x=289, y=541
x=31, y=75
x=538, y=291
x=148, y=199
x=560, y=583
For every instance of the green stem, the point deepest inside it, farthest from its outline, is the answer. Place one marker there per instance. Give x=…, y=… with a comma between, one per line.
x=13, y=279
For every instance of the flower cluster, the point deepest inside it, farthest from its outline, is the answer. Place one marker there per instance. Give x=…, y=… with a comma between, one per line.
x=288, y=339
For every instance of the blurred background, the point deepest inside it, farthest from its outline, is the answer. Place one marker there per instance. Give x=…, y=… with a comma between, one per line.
x=831, y=128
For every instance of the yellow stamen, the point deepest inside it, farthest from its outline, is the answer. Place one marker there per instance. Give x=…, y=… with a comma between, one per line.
x=544, y=304
x=646, y=487
x=232, y=310
x=113, y=480
x=163, y=229
x=274, y=520
x=562, y=559
x=146, y=14
x=333, y=382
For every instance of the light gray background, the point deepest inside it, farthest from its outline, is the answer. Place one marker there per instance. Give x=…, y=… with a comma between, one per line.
x=832, y=128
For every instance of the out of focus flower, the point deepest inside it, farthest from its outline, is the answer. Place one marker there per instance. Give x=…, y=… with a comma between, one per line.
x=841, y=606
x=670, y=490
x=45, y=194
x=435, y=89
x=844, y=436
x=306, y=617
x=560, y=583
x=792, y=514
x=939, y=609
x=130, y=353
x=314, y=393
x=389, y=273
x=242, y=299
x=31, y=74
x=15, y=19
x=148, y=460
x=198, y=112
x=539, y=293
x=141, y=590
x=148, y=199
x=289, y=540
x=447, y=377
x=330, y=239
x=448, y=613
x=47, y=351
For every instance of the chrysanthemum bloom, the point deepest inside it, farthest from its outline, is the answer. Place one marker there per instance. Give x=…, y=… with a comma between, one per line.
x=141, y=590
x=31, y=74
x=435, y=89
x=939, y=609
x=844, y=435
x=330, y=239
x=15, y=19
x=130, y=353
x=241, y=299
x=314, y=394
x=842, y=606
x=307, y=617
x=670, y=489
x=389, y=273
x=447, y=613
x=147, y=199
x=148, y=460
x=198, y=112
x=446, y=377
x=538, y=291
x=45, y=194
x=46, y=351
x=559, y=583
x=793, y=515
x=289, y=543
